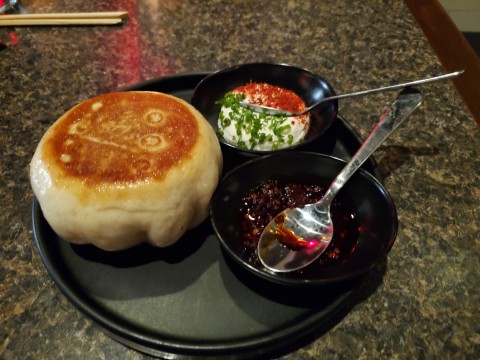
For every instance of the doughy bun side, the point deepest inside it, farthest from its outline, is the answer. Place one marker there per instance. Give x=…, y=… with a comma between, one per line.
x=125, y=168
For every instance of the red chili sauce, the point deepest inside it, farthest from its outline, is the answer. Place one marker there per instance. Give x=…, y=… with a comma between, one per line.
x=272, y=96
x=264, y=202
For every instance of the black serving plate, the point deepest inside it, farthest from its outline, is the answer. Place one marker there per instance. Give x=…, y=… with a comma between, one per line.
x=189, y=300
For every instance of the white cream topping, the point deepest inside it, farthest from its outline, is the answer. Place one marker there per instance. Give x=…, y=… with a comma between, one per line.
x=255, y=131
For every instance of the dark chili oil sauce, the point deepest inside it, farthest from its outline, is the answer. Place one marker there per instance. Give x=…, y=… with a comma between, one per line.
x=261, y=204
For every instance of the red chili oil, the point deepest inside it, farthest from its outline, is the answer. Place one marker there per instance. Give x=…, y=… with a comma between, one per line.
x=286, y=236
x=267, y=200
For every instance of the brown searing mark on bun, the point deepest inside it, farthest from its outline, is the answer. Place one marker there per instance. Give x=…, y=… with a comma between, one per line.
x=122, y=137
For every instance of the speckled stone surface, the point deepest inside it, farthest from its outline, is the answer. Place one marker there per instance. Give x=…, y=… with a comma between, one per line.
x=421, y=303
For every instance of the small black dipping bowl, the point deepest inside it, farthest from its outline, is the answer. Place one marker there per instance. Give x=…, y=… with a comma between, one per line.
x=310, y=87
x=374, y=212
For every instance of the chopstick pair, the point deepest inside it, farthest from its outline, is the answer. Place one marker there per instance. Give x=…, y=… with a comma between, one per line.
x=54, y=19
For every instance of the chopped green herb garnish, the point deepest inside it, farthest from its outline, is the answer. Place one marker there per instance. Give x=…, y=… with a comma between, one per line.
x=252, y=129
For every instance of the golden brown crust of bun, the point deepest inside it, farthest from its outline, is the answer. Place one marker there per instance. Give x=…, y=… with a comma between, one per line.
x=136, y=138
x=125, y=168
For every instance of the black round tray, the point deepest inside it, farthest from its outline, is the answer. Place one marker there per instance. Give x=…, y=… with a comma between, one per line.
x=189, y=300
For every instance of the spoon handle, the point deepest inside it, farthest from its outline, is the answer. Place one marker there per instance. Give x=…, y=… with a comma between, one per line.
x=406, y=102
x=386, y=88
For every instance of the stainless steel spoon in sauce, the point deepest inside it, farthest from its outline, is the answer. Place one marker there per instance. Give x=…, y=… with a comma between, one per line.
x=297, y=237
x=273, y=111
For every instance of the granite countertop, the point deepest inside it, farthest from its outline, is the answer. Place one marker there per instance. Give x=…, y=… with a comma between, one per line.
x=420, y=303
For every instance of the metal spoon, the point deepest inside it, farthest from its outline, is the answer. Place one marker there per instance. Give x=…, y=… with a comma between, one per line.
x=273, y=111
x=297, y=237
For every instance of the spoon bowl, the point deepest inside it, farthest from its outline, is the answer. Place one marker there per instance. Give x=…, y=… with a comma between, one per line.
x=298, y=236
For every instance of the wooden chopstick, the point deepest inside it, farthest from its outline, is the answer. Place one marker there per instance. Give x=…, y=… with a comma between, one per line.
x=92, y=18
x=53, y=22
x=76, y=15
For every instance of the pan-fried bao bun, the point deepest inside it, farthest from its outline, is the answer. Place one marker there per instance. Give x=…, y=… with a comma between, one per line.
x=125, y=168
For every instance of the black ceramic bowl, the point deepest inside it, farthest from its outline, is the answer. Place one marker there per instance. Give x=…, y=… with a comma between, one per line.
x=374, y=212
x=310, y=87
